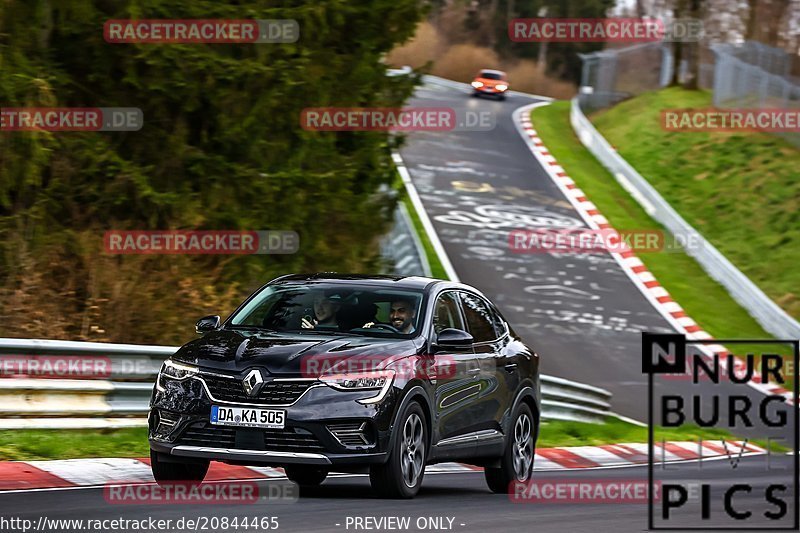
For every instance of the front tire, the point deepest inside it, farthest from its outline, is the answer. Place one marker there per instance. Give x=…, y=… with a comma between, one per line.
x=401, y=476
x=306, y=476
x=168, y=473
x=517, y=461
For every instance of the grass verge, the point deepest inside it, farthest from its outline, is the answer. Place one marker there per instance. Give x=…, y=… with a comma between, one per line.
x=739, y=189
x=33, y=444
x=48, y=444
x=705, y=300
x=614, y=431
x=437, y=270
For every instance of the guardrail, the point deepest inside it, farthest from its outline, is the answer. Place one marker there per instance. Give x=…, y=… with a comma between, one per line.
x=766, y=312
x=122, y=400
x=402, y=247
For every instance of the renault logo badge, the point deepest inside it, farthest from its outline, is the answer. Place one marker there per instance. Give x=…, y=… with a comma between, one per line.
x=252, y=382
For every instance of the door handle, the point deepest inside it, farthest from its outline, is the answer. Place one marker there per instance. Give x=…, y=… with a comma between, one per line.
x=510, y=367
x=473, y=371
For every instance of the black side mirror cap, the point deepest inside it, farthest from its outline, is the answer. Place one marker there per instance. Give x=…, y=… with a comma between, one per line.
x=207, y=323
x=451, y=337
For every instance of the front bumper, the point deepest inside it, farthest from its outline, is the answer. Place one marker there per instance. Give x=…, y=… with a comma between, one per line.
x=323, y=426
x=488, y=90
x=266, y=457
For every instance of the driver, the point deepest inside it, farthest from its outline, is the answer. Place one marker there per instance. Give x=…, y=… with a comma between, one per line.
x=401, y=316
x=325, y=309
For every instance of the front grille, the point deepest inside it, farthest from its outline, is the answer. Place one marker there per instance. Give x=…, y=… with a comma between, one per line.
x=204, y=434
x=271, y=393
x=277, y=440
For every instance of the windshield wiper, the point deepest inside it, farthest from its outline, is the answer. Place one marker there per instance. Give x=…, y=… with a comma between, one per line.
x=250, y=327
x=334, y=333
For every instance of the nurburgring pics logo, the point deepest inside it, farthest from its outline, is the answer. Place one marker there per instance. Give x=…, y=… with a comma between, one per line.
x=218, y=242
x=730, y=120
x=599, y=30
x=733, y=394
x=207, y=31
x=71, y=119
x=395, y=119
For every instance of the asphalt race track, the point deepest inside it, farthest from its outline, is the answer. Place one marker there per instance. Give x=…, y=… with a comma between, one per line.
x=461, y=497
x=581, y=312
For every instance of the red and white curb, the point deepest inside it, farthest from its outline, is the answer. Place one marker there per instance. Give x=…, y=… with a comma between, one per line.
x=630, y=263
x=74, y=473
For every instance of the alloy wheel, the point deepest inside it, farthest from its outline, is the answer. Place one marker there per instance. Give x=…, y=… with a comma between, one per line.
x=522, y=453
x=412, y=455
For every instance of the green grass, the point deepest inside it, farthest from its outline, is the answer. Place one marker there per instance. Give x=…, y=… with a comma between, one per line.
x=614, y=431
x=703, y=298
x=44, y=444
x=32, y=444
x=437, y=270
x=739, y=190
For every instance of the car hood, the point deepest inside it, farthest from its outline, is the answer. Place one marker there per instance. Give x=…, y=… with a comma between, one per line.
x=287, y=354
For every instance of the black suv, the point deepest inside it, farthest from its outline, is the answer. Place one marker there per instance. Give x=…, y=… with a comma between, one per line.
x=354, y=374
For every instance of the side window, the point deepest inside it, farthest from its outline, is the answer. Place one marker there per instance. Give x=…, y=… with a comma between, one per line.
x=479, y=318
x=499, y=322
x=446, y=313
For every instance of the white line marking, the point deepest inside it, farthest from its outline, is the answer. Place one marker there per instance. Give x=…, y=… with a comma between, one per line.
x=423, y=216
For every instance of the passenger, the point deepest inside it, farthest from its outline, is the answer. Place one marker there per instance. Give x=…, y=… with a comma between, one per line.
x=325, y=309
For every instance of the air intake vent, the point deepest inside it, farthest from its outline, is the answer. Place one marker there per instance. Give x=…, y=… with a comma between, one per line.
x=166, y=423
x=351, y=435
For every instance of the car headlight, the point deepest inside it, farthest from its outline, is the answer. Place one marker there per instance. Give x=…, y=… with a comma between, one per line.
x=379, y=381
x=477, y=84
x=501, y=87
x=177, y=371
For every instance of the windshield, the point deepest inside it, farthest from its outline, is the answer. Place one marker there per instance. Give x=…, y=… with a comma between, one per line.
x=491, y=75
x=332, y=308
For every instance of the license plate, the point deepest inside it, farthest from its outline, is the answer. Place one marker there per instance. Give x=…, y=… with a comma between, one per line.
x=246, y=417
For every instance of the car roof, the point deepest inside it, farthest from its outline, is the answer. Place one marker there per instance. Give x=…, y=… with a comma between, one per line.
x=493, y=71
x=400, y=282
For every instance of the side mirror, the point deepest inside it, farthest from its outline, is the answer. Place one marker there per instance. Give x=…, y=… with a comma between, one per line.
x=207, y=323
x=451, y=337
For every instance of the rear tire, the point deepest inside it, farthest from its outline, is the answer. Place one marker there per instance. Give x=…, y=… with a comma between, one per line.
x=306, y=476
x=401, y=476
x=167, y=473
x=517, y=461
